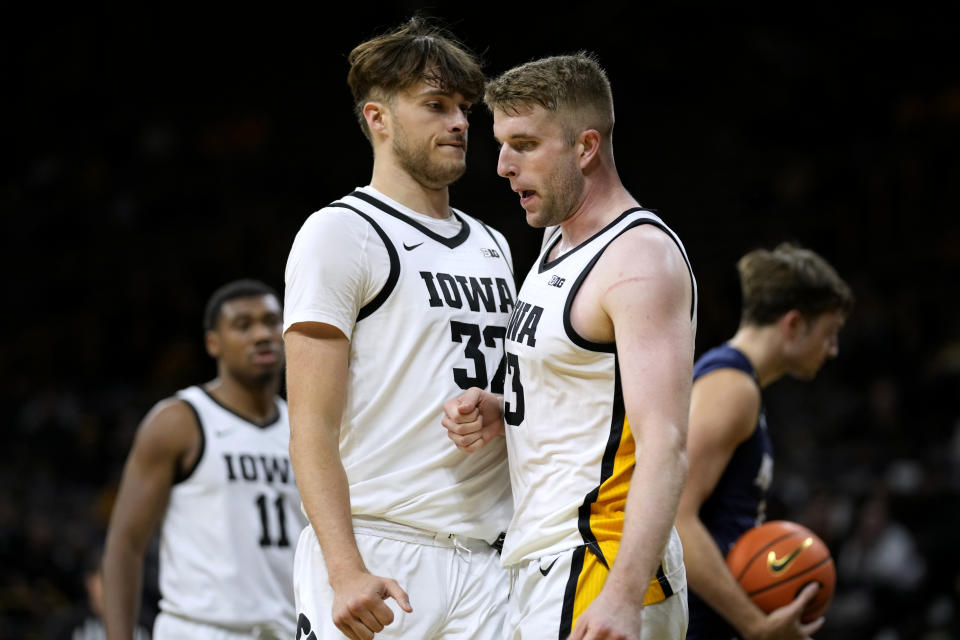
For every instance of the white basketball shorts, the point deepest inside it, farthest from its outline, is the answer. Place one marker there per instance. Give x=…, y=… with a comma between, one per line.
x=457, y=588
x=171, y=627
x=549, y=594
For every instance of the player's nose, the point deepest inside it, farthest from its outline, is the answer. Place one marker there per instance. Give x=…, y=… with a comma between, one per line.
x=506, y=168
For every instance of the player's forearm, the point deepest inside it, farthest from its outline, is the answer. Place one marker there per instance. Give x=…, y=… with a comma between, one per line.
x=325, y=492
x=122, y=589
x=651, y=508
x=708, y=576
x=317, y=371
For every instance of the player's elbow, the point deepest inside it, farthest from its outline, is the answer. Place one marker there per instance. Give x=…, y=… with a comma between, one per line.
x=675, y=450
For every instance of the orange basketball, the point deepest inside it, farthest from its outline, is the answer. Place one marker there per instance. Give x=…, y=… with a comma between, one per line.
x=775, y=561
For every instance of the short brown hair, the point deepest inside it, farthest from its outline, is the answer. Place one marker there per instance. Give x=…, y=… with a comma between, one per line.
x=789, y=277
x=417, y=50
x=561, y=84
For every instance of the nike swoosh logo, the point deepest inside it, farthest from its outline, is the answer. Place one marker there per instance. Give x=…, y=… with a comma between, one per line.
x=550, y=566
x=411, y=247
x=779, y=565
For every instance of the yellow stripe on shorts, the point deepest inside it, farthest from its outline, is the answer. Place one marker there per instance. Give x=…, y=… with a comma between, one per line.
x=602, y=526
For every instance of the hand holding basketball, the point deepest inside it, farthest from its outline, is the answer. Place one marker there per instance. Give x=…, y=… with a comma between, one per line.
x=775, y=561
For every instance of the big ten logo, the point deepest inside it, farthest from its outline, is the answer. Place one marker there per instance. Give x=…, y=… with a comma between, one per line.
x=490, y=253
x=556, y=281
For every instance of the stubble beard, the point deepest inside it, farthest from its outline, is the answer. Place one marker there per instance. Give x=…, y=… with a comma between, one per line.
x=564, y=190
x=414, y=158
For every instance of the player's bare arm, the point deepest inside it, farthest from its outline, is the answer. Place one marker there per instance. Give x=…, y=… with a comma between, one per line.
x=317, y=359
x=639, y=294
x=473, y=418
x=724, y=407
x=167, y=443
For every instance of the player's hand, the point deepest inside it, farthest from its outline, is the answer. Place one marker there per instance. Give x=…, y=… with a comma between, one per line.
x=784, y=623
x=609, y=618
x=473, y=419
x=359, y=607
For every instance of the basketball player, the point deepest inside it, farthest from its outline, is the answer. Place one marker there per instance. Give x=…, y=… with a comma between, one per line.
x=599, y=357
x=211, y=467
x=395, y=301
x=793, y=306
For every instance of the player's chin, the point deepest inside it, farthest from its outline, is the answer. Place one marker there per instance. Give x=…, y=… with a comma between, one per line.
x=806, y=375
x=536, y=220
x=449, y=172
x=266, y=372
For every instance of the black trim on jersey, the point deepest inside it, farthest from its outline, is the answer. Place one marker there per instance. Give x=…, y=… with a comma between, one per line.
x=617, y=419
x=392, y=278
x=496, y=242
x=611, y=347
x=181, y=475
x=452, y=243
x=570, y=592
x=267, y=423
x=545, y=264
x=548, y=239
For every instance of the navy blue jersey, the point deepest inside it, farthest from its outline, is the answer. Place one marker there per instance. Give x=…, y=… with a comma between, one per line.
x=739, y=499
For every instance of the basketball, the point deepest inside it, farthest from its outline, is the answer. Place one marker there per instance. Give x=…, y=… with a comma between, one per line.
x=775, y=561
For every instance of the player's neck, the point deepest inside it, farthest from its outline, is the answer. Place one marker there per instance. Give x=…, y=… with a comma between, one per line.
x=257, y=403
x=604, y=200
x=761, y=346
x=399, y=185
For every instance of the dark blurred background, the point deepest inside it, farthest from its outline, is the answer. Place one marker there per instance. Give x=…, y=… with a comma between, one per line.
x=151, y=156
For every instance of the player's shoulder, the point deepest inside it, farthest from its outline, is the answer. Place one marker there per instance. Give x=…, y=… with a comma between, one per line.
x=334, y=215
x=172, y=420
x=645, y=249
x=333, y=226
x=172, y=409
x=731, y=387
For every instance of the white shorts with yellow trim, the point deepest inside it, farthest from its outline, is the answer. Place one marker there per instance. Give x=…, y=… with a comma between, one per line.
x=549, y=594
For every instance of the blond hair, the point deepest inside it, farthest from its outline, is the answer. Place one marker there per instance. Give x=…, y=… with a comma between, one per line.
x=574, y=87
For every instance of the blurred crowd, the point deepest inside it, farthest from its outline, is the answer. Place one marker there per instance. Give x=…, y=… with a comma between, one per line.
x=121, y=220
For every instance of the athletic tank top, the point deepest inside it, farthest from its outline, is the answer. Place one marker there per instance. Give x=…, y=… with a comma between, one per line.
x=435, y=328
x=738, y=501
x=571, y=448
x=230, y=530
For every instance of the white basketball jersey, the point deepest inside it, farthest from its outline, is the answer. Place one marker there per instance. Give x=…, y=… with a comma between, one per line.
x=231, y=527
x=434, y=328
x=571, y=449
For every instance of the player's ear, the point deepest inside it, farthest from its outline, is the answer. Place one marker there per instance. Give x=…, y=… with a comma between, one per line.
x=375, y=113
x=793, y=324
x=588, y=146
x=211, y=340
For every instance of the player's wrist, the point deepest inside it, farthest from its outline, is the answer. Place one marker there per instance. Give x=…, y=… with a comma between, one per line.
x=345, y=571
x=754, y=626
